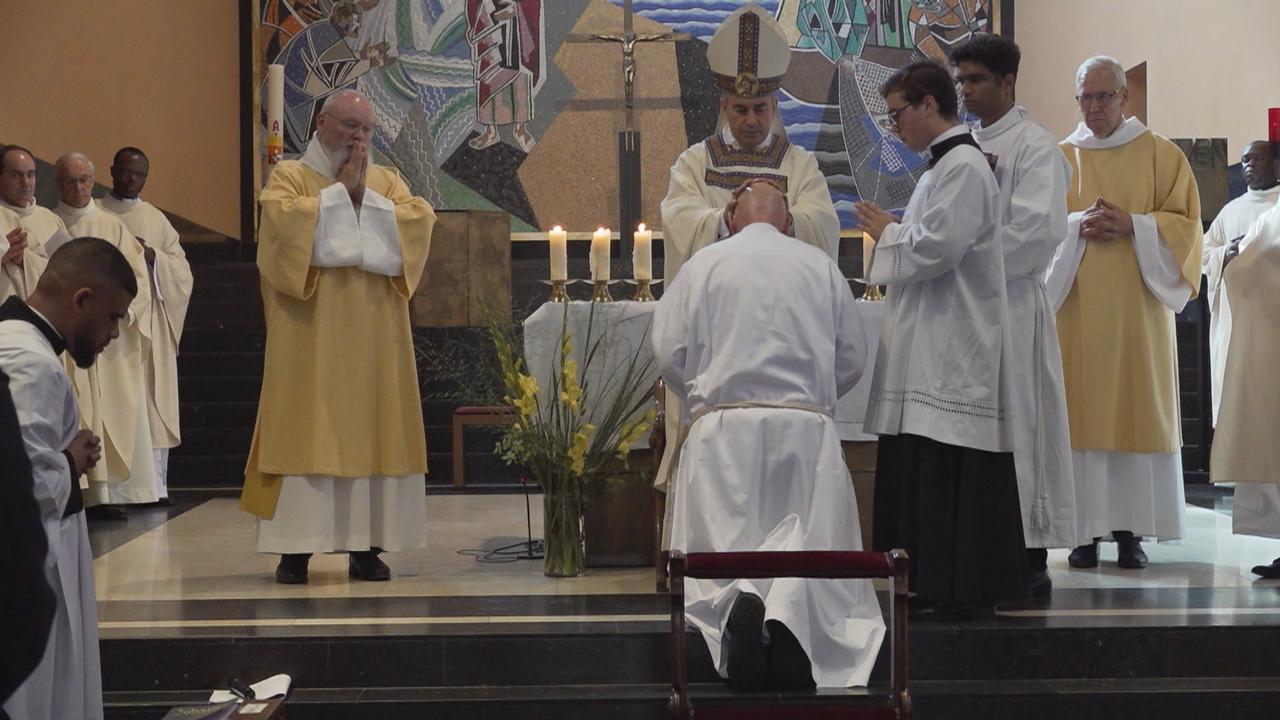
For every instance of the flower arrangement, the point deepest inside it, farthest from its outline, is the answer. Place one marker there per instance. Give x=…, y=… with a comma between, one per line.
x=565, y=434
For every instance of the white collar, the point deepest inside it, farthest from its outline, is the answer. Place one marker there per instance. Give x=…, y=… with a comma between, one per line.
x=960, y=129
x=1269, y=193
x=23, y=211
x=75, y=212
x=1130, y=130
x=318, y=158
x=1008, y=121
x=119, y=204
x=727, y=135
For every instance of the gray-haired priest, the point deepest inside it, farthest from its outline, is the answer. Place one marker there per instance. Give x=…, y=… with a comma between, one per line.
x=748, y=56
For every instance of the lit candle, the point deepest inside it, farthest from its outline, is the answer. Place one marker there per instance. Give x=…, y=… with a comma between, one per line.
x=642, y=254
x=558, y=241
x=275, y=113
x=600, y=254
x=868, y=246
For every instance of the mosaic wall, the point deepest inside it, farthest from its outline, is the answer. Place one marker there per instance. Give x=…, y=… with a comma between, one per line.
x=512, y=104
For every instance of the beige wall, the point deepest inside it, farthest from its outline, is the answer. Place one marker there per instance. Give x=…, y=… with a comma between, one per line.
x=159, y=74
x=1213, y=68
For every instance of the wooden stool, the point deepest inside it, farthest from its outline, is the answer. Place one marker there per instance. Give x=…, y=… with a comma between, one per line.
x=490, y=415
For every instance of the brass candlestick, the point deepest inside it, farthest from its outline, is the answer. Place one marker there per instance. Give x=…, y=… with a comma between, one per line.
x=642, y=291
x=601, y=293
x=872, y=293
x=558, y=294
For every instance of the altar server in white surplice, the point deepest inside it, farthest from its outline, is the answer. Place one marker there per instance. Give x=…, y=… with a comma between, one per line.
x=171, y=283
x=1245, y=451
x=80, y=302
x=946, y=485
x=1032, y=174
x=112, y=393
x=748, y=56
x=1222, y=243
x=26, y=229
x=758, y=336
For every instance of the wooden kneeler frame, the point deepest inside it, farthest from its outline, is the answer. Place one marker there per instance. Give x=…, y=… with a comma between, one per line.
x=752, y=565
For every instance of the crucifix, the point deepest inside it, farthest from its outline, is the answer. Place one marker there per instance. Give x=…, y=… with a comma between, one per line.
x=629, y=198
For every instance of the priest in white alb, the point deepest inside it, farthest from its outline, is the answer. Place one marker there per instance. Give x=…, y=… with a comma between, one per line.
x=1222, y=243
x=26, y=229
x=339, y=455
x=758, y=336
x=171, y=283
x=1131, y=259
x=748, y=55
x=77, y=306
x=1032, y=174
x=1245, y=451
x=113, y=393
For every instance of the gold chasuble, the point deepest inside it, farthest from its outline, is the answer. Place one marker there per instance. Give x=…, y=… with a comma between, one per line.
x=1119, y=352
x=340, y=386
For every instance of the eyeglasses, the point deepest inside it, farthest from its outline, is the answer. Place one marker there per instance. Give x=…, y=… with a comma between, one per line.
x=890, y=118
x=68, y=181
x=1101, y=98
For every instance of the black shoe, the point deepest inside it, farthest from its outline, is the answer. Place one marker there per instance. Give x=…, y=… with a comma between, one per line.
x=748, y=664
x=165, y=501
x=292, y=569
x=365, y=565
x=1085, y=556
x=107, y=512
x=1131, y=555
x=788, y=665
x=1039, y=584
x=1268, y=572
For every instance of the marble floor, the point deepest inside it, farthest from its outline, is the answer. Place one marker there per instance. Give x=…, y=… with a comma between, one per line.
x=196, y=565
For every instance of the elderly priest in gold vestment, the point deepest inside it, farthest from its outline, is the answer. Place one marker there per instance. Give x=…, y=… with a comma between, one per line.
x=1131, y=260
x=339, y=454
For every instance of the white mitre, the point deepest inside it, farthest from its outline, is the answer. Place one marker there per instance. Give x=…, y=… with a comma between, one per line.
x=749, y=54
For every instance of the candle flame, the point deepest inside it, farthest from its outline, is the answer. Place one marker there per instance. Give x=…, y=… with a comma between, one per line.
x=641, y=227
x=557, y=228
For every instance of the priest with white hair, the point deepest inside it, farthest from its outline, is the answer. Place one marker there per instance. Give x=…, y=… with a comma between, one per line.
x=1131, y=260
x=339, y=457
x=113, y=393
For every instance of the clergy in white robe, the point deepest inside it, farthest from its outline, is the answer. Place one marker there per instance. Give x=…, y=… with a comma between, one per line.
x=171, y=283
x=28, y=232
x=751, y=146
x=1245, y=451
x=77, y=306
x=1032, y=174
x=946, y=490
x=1222, y=243
x=341, y=249
x=759, y=336
x=1131, y=260
x=112, y=393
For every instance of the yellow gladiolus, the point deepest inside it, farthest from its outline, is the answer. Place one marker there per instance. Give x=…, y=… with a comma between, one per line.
x=571, y=392
x=578, y=452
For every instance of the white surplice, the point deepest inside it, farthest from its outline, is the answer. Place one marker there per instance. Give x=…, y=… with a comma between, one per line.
x=1139, y=492
x=45, y=233
x=1244, y=447
x=702, y=182
x=1233, y=221
x=938, y=367
x=321, y=513
x=762, y=318
x=113, y=393
x=1032, y=174
x=68, y=681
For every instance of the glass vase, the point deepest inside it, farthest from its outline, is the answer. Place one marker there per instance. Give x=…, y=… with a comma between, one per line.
x=562, y=532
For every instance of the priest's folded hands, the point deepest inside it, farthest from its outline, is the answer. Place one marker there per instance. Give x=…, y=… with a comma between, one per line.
x=872, y=218
x=1104, y=222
